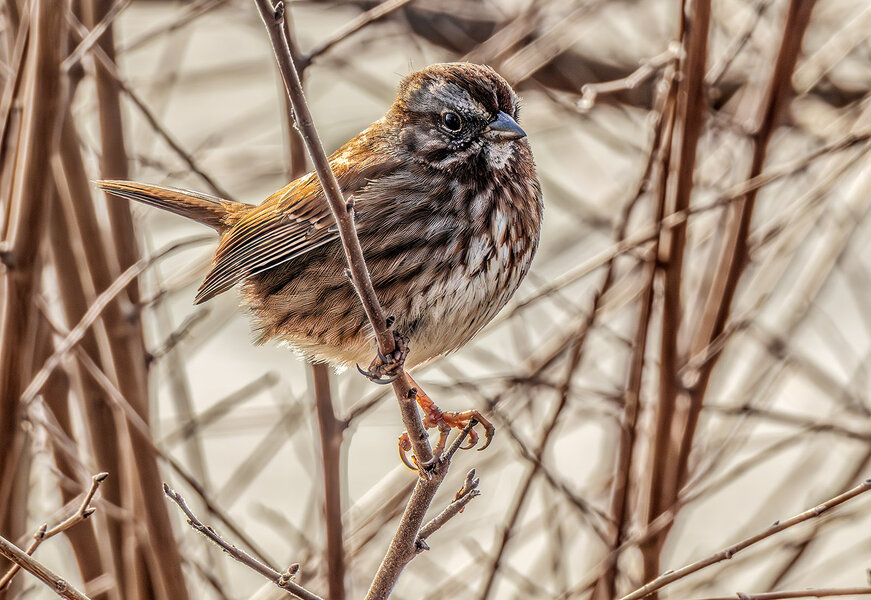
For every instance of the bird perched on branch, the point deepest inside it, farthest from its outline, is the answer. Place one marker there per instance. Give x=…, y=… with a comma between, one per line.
x=447, y=207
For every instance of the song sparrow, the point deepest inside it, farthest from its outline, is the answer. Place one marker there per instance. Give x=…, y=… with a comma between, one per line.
x=447, y=207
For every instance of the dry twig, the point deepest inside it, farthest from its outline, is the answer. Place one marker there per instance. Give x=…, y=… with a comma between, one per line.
x=463, y=497
x=282, y=580
x=810, y=593
x=84, y=511
x=727, y=553
x=58, y=585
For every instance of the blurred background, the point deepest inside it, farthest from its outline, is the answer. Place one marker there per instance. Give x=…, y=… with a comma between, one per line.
x=687, y=362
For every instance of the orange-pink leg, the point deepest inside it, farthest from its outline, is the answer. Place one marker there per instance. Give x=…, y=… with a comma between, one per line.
x=433, y=416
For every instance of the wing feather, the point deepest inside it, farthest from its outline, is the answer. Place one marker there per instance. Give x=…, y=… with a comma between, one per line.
x=294, y=220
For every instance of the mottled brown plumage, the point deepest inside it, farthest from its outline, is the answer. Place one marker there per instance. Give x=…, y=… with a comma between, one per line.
x=447, y=208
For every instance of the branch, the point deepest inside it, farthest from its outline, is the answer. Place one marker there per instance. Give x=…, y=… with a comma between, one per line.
x=809, y=593
x=404, y=545
x=282, y=580
x=60, y=586
x=331, y=431
x=370, y=16
x=95, y=310
x=672, y=576
x=650, y=67
x=432, y=469
x=84, y=511
x=464, y=496
x=273, y=17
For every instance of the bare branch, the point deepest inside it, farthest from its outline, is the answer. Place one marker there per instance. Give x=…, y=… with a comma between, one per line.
x=464, y=496
x=810, y=593
x=99, y=305
x=727, y=553
x=282, y=580
x=84, y=511
x=273, y=17
x=58, y=585
x=352, y=27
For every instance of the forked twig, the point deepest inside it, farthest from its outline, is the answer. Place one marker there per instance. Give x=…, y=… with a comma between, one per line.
x=84, y=511
x=58, y=585
x=464, y=496
x=283, y=580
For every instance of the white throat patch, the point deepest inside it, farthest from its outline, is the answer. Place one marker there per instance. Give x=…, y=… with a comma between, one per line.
x=499, y=154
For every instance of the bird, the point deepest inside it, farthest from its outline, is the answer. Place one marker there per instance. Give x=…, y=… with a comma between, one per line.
x=448, y=210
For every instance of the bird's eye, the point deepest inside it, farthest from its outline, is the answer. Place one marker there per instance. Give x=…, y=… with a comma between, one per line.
x=452, y=121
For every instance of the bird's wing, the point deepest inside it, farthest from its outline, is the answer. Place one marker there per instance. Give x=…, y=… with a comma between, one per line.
x=293, y=221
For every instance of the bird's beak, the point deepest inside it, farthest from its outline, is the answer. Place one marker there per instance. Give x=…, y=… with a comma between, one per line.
x=503, y=129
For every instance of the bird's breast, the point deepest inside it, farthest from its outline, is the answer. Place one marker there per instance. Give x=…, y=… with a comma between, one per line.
x=482, y=267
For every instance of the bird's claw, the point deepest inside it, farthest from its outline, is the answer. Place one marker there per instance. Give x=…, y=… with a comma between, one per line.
x=445, y=423
x=404, y=447
x=473, y=440
x=385, y=369
x=376, y=378
x=460, y=420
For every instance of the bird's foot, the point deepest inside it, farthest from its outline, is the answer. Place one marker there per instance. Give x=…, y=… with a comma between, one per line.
x=434, y=417
x=385, y=369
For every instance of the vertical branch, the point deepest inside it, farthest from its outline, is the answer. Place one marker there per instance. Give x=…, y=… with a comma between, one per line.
x=74, y=300
x=75, y=212
x=734, y=255
x=24, y=219
x=331, y=430
x=161, y=573
x=404, y=544
x=690, y=109
x=620, y=498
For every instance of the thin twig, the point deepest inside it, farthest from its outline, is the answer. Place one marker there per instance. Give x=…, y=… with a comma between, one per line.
x=591, y=91
x=94, y=36
x=58, y=585
x=112, y=70
x=464, y=496
x=282, y=580
x=809, y=593
x=727, y=553
x=433, y=469
x=84, y=511
x=350, y=28
x=93, y=313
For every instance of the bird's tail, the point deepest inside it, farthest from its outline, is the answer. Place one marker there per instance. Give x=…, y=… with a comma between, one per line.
x=215, y=212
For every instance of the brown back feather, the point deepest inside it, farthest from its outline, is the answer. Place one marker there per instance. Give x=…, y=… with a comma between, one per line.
x=297, y=218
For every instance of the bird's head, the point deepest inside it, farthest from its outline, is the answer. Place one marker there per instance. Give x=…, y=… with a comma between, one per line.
x=458, y=115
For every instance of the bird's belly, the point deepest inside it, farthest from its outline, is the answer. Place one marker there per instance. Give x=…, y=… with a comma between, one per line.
x=465, y=298
x=315, y=310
